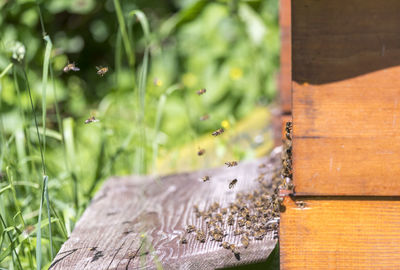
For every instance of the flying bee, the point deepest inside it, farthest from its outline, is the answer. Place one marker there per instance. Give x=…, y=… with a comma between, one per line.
x=201, y=152
x=205, y=178
x=91, y=119
x=201, y=91
x=245, y=241
x=218, y=132
x=232, y=183
x=71, y=66
x=231, y=163
x=190, y=228
x=204, y=117
x=101, y=70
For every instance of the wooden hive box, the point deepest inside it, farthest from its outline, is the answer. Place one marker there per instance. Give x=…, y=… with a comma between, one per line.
x=345, y=212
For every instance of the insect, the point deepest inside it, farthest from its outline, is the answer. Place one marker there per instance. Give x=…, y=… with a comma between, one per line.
x=91, y=119
x=231, y=163
x=206, y=178
x=217, y=236
x=183, y=240
x=300, y=204
x=204, y=117
x=218, y=132
x=230, y=220
x=201, y=152
x=201, y=91
x=232, y=183
x=225, y=245
x=190, y=228
x=245, y=241
x=200, y=236
x=234, y=249
x=71, y=66
x=237, y=231
x=101, y=70
x=241, y=222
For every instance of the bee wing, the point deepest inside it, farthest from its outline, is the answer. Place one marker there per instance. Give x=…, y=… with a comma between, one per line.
x=98, y=68
x=75, y=69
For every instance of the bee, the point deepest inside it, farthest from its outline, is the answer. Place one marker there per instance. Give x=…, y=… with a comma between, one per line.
x=218, y=216
x=201, y=152
x=201, y=91
x=190, y=228
x=224, y=211
x=204, y=117
x=230, y=220
x=245, y=241
x=217, y=236
x=232, y=183
x=101, y=70
x=237, y=231
x=234, y=249
x=91, y=119
x=218, y=132
x=196, y=208
x=231, y=163
x=214, y=206
x=262, y=165
x=300, y=204
x=288, y=129
x=211, y=223
x=259, y=235
x=205, y=178
x=248, y=224
x=241, y=222
x=71, y=66
x=200, y=236
x=183, y=240
x=92, y=248
x=225, y=245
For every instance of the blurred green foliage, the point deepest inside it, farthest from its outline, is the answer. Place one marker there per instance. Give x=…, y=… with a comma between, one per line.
x=229, y=47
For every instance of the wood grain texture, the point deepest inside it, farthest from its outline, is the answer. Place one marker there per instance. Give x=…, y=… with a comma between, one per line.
x=285, y=71
x=332, y=233
x=110, y=233
x=346, y=57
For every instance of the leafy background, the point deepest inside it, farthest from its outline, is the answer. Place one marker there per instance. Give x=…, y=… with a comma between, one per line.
x=147, y=102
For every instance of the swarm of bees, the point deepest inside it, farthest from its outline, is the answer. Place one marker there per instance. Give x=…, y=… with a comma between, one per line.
x=101, y=70
x=201, y=91
x=231, y=163
x=91, y=119
x=218, y=132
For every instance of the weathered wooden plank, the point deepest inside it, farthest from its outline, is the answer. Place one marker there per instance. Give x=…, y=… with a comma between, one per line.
x=345, y=97
x=137, y=222
x=337, y=233
x=285, y=72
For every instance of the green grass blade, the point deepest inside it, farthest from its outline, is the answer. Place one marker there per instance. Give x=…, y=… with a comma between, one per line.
x=39, y=231
x=6, y=70
x=46, y=192
x=125, y=38
x=45, y=76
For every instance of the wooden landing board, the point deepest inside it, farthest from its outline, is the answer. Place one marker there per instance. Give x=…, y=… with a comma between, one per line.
x=285, y=72
x=346, y=94
x=133, y=215
x=347, y=234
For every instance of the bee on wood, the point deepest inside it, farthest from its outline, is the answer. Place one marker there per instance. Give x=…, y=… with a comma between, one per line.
x=201, y=91
x=91, y=119
x=101, y=70
x=217, y=236
x=190, y=228
x=288, y=129
x=205, y=178
x=300, y=204
x=245, y=241
x=234, y=249
x=204, y=117
x=237, y=231
x=230, y=220
x=183, y=240
x=71, y=66
x=231, y=163
x=201, y=152
x=224, y=211
x=200, y=236
x=241, y=222
x=232, y=183
x=225, y=245
x=218, y=132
